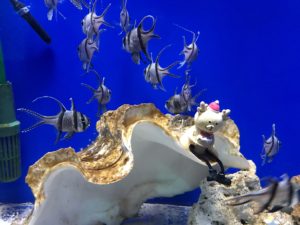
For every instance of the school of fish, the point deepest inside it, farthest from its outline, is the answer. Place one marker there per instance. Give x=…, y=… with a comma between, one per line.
x=275, y=196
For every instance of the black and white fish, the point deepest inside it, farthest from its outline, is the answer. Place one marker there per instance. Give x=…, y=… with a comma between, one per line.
x=190, y=51
x=86, y=50
x=270, y=147
x=183, y=102
x=176, y=104
x=70, y=121
x=186, y=93
x=276, y=196
x=154, y=73
x=52, y=7
x=124, y=17
x=91, y=23
x=136, y=40
x=102, y=94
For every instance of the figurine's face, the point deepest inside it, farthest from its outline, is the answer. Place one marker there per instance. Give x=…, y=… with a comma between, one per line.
x=209, y=121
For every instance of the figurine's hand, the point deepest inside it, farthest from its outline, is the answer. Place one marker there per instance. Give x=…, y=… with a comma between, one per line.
x=202, y=108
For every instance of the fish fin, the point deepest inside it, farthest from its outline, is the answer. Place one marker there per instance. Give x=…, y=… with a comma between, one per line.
x=90, y=100
x=85, y=4
x=99, y=112
x=273, y=129
x=161, y=87
x=58, y=137
x=142, y=59
x=160, y=52
x=69, y=135
x=108, y=24
x=136, y=58
x=77, y=4
x=264, y=158
x=105, y=10
x=62, y=107
x=88, y=87
x=59, y=12
x=33, y=126
x=171, y=66
x=50, y=14
x=181, y=64
x=172, y=75
x=155, y=36
x=183, y=28
x=72, y=104
x=97, y=75
x=103, y=108
x=198, y=94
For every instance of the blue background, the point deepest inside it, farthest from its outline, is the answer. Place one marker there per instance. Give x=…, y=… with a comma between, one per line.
x=249, y=60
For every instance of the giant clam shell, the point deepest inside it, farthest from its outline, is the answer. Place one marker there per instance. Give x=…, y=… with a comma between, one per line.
x=138, y=155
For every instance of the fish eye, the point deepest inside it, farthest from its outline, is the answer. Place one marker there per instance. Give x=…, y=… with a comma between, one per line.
x=216, y=124
x=209, y=121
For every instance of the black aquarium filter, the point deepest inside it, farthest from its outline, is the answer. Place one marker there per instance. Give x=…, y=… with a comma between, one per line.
x=10, y=156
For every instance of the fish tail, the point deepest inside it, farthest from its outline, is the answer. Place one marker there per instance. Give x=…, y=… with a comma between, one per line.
x=172, y=65
x=240, y=200
x=88, y=87
x=172, y=75
x=33, y=113
x=42, y=122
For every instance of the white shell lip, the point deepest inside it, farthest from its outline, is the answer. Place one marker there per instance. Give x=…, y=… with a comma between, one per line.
x=155, y=163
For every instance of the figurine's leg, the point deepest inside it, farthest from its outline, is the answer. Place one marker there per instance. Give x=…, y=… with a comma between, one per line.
x=200, y=156
x=221, y=175
x=216, y=159
x=212, y=172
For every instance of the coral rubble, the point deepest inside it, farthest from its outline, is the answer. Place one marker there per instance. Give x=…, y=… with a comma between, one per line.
x=211, y=208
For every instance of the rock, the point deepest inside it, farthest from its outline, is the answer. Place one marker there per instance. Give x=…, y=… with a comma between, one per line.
x=211, y=208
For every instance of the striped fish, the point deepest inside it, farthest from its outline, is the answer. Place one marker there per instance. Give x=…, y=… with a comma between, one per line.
x=91, y=23
x=52, y=7
x=154, y=73
x=124, y=17
x=270, y=147
x=136, y=40
x=69, y=121
x=276, y=196
x=86, y=50
x=190, y=51
x=176, y=105
x=102, y=94
x=183, y=102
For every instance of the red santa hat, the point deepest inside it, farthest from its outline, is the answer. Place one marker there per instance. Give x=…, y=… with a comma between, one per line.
x=215, y=106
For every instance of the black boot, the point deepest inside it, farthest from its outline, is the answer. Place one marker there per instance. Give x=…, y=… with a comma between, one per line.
x=218, y=177
x=223, y=180
x=213, y=175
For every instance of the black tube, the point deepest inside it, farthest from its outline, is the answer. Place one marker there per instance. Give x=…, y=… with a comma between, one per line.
x=23, y=11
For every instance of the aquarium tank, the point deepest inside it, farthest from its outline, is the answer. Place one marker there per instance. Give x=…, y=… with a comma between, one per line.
x=82, y=81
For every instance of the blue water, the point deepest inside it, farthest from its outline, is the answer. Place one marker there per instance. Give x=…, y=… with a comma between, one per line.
x=249, y=60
